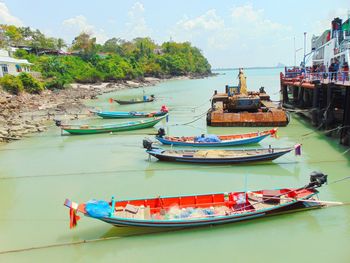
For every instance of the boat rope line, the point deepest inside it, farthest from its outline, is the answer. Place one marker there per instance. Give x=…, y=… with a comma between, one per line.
x=114, y=172
x=85, y=241
x=196, y=118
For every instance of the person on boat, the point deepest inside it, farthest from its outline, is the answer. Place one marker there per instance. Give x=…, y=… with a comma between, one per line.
x=336, y=69
x=345, y=71
x=242, y=82
x=331, y=70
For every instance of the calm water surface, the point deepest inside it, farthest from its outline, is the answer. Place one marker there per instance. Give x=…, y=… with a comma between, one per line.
x=38, y=173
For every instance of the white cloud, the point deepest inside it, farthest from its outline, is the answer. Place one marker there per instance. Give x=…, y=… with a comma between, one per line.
x=245, y=29
x=137, y=26
x=253, y=21
x=321, y=25
x=79, y=24
x=208, y=21
x=7, y=18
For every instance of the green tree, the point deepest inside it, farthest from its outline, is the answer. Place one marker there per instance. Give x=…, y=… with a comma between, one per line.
x=11, y=84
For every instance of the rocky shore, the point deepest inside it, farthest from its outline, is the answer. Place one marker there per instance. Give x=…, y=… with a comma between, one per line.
x=21, y=115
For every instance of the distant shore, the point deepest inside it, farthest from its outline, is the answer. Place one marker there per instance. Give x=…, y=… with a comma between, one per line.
x=21, y=115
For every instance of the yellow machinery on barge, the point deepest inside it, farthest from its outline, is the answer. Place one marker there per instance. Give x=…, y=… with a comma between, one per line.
x=240, y=107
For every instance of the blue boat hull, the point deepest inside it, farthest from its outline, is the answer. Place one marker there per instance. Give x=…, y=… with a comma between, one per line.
x=213, y=144
x=128, y=115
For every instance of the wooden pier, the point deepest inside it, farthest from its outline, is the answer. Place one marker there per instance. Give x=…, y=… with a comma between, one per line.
x=324, y=102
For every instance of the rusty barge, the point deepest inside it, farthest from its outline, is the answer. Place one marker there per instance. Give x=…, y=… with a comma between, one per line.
x=239, y=107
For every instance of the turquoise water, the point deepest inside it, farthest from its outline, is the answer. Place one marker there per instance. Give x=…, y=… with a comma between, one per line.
x=38, y=173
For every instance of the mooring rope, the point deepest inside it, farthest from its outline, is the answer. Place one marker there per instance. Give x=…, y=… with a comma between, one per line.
x=115, y=172
x=85, y=241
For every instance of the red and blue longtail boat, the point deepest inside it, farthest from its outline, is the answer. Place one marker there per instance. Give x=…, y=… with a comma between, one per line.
x=202, y=209
x=213, y=140
x=219, y=156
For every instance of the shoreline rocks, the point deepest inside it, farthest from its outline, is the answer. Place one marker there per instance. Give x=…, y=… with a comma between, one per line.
x=23, y=114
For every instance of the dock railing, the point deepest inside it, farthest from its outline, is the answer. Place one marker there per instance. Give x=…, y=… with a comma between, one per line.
x=337, y=77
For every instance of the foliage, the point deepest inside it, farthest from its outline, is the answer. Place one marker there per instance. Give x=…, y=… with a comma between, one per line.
x=11, y=84
x=116, y=59
x=30, y=84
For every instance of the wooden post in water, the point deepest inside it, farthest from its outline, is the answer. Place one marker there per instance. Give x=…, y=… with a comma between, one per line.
x=345, y=132
x=315, y=105
x=329, y=108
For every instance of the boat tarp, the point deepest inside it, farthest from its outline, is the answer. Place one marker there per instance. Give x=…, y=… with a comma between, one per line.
x=207, y=138
x=97, y=208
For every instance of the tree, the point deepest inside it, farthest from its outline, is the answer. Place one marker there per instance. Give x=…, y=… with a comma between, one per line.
x=60, y=43
x=13, y=34
x=86, y=45
x=113, y=45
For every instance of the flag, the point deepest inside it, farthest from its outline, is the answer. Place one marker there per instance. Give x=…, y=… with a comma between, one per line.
x=273, y=133
x=73, y=218
x=110, y=100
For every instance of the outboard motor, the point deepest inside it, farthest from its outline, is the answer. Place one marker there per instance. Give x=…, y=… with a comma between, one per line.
x=58, y=123
x=317, y=179
x=147, y=144
x=161, y=132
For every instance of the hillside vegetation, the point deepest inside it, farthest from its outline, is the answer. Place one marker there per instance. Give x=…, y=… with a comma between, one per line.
x=90, y=62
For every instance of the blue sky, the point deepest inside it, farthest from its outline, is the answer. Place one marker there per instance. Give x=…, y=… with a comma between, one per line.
x=230, y=33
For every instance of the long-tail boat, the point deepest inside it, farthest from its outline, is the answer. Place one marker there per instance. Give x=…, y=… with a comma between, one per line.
x=214, y=140
x=117, y=127
x=202, y=209
x=218, y=156
x=135, y=101
x=131, y=114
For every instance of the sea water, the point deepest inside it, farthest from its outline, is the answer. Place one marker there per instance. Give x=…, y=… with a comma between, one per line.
x=38, y=173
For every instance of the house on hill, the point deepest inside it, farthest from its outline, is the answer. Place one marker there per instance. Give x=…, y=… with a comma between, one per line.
x=12, y=66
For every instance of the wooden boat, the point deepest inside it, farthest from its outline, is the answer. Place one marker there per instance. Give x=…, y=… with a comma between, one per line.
x=125, y=126
x=131, y=114
x=213, y=140
x=203, y=209
x=218, y=156
x=135, y=101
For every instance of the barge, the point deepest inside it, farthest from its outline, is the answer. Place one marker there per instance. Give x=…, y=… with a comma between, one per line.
x=239, y=107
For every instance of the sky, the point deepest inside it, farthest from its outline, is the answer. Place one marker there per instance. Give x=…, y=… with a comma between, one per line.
x=230, y=33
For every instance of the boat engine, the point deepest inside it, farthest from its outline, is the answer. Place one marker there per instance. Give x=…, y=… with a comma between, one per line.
x=317, y=179
x=161, y=132
x=58, y=122
x=147, y=144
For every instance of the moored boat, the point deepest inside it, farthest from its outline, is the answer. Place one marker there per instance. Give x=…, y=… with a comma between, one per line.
x=218, y=156
x=202, y=209
x=214, y=140
x=131, y=114
x=118, y=127
x=135, y=100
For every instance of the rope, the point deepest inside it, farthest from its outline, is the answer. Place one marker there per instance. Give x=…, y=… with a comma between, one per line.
x=196, y=118
x=63, y=244
x=113, y=172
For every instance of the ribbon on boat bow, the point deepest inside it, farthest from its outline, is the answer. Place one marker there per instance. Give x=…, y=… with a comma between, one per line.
x=73, y=217
x=273, y=133
x=297, y=149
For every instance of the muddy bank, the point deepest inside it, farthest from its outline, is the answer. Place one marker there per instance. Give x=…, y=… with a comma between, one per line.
x=27, y=113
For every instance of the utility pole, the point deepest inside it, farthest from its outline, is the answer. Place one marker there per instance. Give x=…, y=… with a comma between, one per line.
x=295, y=53
x=304, y=51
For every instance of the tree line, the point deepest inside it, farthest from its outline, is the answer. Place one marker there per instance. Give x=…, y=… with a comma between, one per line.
x=86, y=61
